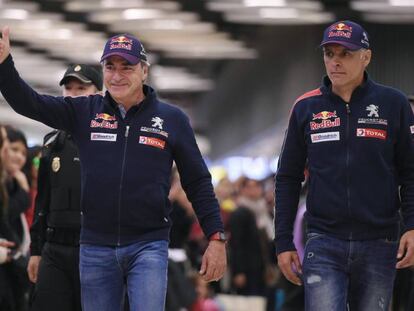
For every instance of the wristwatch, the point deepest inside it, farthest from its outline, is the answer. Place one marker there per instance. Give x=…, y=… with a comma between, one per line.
x=218, y=236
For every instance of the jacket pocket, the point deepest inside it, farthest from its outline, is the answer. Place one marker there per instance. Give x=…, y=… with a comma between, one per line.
x=147, y=209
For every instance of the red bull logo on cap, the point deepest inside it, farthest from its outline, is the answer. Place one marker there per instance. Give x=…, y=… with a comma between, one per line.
x=341, y=27
x=340, y=30
x=121, y=42
x=121, y=39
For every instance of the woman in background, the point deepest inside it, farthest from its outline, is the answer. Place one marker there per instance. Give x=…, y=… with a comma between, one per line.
x=14, y=225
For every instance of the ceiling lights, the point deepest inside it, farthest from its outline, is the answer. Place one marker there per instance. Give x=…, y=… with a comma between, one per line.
x=265, y=12
x=386, y=11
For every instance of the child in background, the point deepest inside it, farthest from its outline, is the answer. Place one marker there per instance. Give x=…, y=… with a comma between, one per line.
x=205, y=295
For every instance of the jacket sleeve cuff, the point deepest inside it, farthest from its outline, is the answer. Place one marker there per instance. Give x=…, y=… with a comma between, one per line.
x=4, y=67
x=35, y=250
x=408, y=220
x=284, y=244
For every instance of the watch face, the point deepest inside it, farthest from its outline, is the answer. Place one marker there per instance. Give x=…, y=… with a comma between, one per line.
x=218, y=236
x=222, y=236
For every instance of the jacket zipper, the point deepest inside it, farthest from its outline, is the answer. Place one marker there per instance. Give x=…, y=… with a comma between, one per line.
x=348, y=191
x=121, y=183
x=122, y=174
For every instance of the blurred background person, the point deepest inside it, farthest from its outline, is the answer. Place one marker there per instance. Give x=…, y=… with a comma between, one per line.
x=14, y=221
x=226, y=193
x=30, y=169
x=6, y=295
x=206, y=300
x=250, y=228
x=180, y=291
x=54, y=259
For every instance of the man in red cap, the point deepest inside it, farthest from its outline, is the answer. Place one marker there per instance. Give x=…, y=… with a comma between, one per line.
x=128, y=141
x=356, y=137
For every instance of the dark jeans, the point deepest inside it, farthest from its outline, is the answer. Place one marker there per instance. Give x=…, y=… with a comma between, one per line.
x=58, y=285
x=340, y=272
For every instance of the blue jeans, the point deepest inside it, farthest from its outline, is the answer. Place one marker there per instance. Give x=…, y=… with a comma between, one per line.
x=337, y=273
x=140, y=268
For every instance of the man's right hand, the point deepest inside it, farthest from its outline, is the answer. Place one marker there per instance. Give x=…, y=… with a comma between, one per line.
x=4, y=44
x=288, y=262
x=33, y=268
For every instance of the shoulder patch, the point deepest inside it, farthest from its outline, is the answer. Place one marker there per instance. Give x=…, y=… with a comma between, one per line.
x=50, y=138
x=316, y=92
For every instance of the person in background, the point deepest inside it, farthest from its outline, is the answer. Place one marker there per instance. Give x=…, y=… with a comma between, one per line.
x=6, y=295
x=30, y=169
x=54, y=260
x=247, y=248
x=225, y=193
x=180, y=292
x=293, y=296
x=16, y=227
x=356, y=138
x=5, y=245
x=205, y=295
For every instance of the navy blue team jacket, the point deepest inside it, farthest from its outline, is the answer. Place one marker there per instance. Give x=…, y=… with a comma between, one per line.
x=360, y=159
x=125, y=163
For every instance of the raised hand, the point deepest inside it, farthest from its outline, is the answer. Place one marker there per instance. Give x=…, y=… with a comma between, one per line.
x=4, y=44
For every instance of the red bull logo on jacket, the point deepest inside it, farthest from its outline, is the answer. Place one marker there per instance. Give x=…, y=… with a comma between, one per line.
x=105, y=116
x=104, y=120
x=326, y=122
x=324, y=115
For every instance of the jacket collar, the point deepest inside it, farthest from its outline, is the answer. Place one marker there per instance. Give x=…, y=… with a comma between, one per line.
x=150, y=97
x=358, y=93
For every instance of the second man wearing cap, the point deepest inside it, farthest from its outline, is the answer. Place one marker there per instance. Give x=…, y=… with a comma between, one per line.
x=356, y=137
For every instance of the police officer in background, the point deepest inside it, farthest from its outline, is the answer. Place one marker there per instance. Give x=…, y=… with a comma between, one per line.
x=54, y=261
